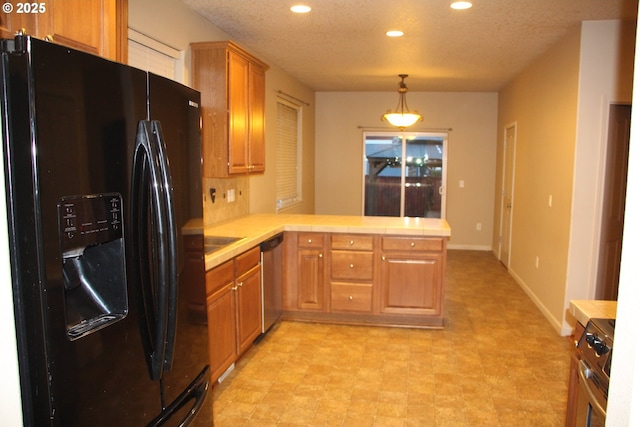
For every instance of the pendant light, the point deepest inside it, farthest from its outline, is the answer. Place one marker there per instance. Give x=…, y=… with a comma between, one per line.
x=402, y=117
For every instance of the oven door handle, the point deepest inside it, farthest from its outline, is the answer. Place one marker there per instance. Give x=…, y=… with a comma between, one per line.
x=584, y=372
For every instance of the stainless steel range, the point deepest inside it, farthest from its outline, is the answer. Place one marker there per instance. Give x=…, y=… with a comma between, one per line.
x=595, y=349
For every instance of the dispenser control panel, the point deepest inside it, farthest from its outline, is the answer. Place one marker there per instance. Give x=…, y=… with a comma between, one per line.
x=89, y=220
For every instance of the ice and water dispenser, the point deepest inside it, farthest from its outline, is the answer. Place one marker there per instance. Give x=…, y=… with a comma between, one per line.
x=93, y=258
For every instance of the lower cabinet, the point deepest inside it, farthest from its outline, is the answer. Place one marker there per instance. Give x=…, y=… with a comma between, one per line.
x=574, y=380
x=234, y=309
x=411, y=276
x=364, y=279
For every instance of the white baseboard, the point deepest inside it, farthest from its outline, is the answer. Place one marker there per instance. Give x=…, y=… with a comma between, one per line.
x=469, y=247
x=555, y=323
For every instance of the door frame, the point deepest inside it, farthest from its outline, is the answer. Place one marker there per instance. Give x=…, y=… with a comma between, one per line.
x=404, y=135
x=513, y=125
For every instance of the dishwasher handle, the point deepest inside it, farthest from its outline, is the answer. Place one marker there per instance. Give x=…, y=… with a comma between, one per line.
x=271, y=244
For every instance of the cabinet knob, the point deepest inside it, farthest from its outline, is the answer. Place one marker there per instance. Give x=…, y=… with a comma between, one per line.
x=412, y=244
x=351, y=242
x=383, y=258
x=350, y=298
x=309, y=241
x=240, y=284
x=319, y=255
x=234, y=288
x=350, y=265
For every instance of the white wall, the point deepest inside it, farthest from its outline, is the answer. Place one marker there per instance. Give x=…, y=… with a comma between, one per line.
x=471, y=153
x=560, y=103
x=624, y=390
x=10, y=401
x=606, y=77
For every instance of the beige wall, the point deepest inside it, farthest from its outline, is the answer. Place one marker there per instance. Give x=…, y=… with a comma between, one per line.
x=471, y=153
x=173, y=23
x=557, y=104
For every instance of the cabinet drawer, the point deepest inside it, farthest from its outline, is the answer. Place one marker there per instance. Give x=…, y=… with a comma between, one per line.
x=247, y=260
x=421, y=244
x=356, y=242
x=352, y=265
x=310, y=240
x=351, y=297
x=219, y=276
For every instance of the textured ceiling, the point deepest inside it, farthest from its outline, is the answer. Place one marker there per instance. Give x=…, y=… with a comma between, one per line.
x=341, y=44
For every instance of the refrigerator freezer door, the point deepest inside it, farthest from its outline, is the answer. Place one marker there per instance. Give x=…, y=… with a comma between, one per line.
x=71, y=120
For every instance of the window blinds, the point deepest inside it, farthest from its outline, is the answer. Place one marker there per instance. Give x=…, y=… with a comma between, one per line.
x=287, y=154
x=151, y=55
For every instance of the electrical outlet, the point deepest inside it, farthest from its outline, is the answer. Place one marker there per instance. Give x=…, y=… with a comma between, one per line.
x=537, y=262
x=231, y=196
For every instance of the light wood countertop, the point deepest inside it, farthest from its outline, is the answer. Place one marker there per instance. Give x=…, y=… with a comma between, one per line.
x=256, y=228
x=583, y=310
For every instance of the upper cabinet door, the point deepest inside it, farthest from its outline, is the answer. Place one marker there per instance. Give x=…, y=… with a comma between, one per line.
x=238, y=93
x=232, y=87
x=97, y=26
x=256, y=111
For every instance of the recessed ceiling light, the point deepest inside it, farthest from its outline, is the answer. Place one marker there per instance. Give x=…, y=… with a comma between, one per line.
x=395, y=33
x=300, y=8
x=460, y=5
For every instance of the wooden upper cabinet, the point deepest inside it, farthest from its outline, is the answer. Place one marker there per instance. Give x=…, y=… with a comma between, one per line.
x=232, y=87
x=98, y=26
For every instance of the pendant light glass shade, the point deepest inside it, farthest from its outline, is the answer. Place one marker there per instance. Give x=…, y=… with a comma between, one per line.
x=402, y=117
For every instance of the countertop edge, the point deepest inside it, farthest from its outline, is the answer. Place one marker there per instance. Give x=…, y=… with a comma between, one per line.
x=256, y=228
x=584, y=310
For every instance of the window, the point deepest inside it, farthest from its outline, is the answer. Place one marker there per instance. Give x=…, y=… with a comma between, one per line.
x=404, y=174
x=151, y=55
x=288, y=154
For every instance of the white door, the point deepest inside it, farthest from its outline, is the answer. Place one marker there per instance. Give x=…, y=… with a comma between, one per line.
x=507, y=193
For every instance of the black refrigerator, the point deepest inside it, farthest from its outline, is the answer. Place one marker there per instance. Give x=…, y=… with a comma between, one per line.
x=103, y=168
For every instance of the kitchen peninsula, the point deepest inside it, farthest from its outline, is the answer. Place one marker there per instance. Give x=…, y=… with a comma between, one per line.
x=338, y=269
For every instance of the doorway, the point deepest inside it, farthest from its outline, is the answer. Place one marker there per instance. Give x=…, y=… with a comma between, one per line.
x=614, y=193
x=508, y=169
x=404, y=174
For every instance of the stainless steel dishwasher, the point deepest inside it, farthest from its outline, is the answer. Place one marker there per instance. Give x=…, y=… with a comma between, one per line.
x=271, y=253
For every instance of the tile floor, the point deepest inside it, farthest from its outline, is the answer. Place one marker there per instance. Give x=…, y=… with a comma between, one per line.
x=498, y=362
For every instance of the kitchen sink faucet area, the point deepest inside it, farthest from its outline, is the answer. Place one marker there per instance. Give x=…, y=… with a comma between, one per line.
x=497, y=362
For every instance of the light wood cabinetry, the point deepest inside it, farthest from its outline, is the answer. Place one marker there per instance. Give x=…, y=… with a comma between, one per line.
x=364, y=279
x=234, y=309
x=411, y=276
x=304, y=276
x=249, y=298
x=221, y=314
x=574, y=380
x=352, y=273
x=232, y=87
x=98, y=26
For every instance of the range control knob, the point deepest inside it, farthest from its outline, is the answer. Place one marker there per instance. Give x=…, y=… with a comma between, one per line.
x=601, y=348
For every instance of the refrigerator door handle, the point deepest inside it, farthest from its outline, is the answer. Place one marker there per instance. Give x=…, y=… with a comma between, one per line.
x=172, y=245
x=196, y=392
x=152, y=235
